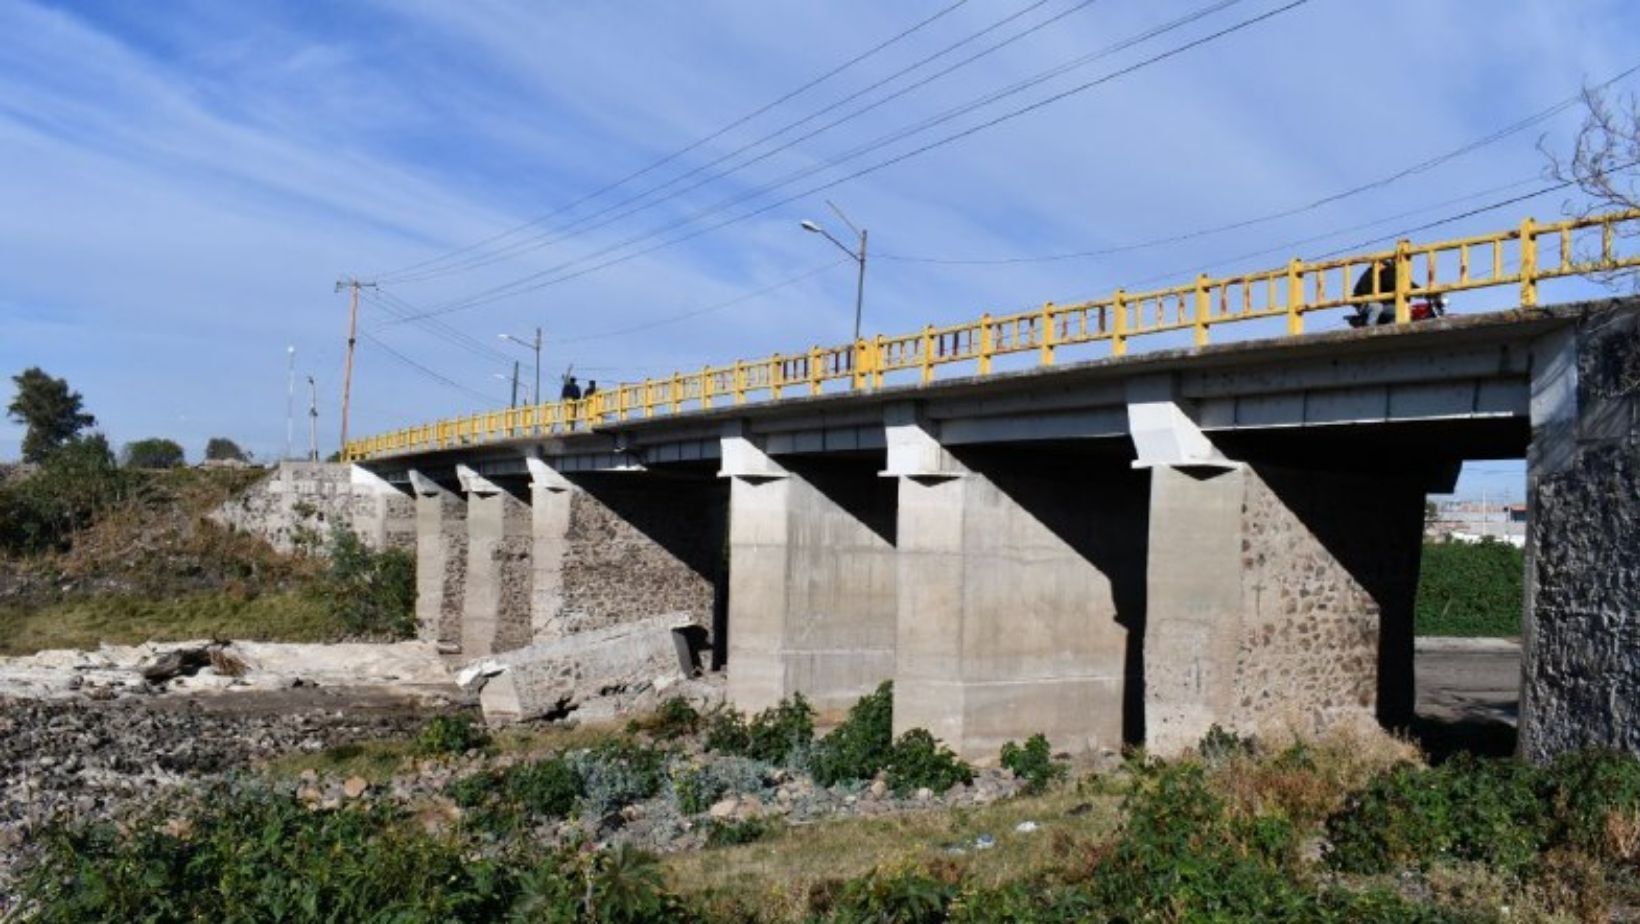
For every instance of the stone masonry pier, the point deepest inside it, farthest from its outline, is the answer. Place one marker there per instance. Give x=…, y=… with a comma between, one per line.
x=1122, y=551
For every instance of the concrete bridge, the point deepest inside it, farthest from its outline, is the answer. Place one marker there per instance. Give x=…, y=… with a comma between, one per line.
x=1129, y=549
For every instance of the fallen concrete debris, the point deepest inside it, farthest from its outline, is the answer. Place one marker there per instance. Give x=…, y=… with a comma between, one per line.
x=594, y=675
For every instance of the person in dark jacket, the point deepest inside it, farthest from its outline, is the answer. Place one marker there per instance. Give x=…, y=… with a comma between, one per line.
x=592, y=388
x=1378, y=280
x=570, y=391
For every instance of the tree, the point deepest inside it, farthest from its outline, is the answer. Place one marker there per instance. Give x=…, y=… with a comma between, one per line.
x=220, y=448
x=155, y=452
x=74, y=486
x=49, y=409
x=1604, y=162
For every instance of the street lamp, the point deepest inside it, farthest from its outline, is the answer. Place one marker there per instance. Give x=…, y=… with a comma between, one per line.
x=858, y=257
x=528, y=345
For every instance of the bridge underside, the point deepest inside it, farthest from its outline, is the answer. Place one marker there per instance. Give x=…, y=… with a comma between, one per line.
x=1121, y=551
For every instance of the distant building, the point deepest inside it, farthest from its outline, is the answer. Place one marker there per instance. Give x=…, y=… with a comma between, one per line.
x=1472, y=521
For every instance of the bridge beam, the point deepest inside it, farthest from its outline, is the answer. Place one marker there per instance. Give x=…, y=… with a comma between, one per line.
x=812, y=603
x=1020, y=594
x=441, y=561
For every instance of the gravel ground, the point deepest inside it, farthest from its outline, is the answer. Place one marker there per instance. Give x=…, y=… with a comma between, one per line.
x=90, y=759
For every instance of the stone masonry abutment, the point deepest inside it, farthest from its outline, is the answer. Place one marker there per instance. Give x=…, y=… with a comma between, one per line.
x=1581, y=673
x=812, y=605
x=441, y=562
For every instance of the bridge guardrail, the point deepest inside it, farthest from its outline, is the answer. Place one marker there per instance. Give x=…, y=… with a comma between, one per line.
x=1289, y=292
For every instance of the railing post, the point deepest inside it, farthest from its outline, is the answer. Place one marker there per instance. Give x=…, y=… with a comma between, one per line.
x=815, y=385
x=706, y=387
x=857, y=360
x=1118, y=333
x=1295, y=296
x=647, y=397
x=739, y=383
x=1048, y=333
x=1528, y=263
x=776, y=368
x=1403, y=281
x=877, y=362
x=985, y=344
x=1204, y=306
x=928, y=354
x=677, y=392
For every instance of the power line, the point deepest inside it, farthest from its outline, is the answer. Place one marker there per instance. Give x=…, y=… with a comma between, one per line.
x=442, y=380
x=1420, y=167
x=402, y=310
x=695, y=313
x=580, y=225
x=528, y=284
x=906, y=33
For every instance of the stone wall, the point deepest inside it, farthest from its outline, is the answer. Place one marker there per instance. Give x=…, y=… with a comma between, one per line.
x=441, y=565
x=295, y=507
x=1581, y=671
x=638, y=546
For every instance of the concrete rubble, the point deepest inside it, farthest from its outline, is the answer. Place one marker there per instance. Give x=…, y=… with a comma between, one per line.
x=594, y=675
x=410, y=669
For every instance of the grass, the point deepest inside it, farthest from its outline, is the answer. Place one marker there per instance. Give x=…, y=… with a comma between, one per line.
x=376, y=761
x=127, y=619
x=1470, y=589
x=778, y=874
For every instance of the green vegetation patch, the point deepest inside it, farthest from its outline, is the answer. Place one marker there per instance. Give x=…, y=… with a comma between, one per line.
x=1471, y=589
x=122, y=619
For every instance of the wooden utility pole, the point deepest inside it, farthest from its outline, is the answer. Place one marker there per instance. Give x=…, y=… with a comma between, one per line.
x=354, y=285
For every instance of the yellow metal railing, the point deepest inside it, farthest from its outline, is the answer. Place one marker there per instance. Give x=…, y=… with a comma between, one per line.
x=1523, y=256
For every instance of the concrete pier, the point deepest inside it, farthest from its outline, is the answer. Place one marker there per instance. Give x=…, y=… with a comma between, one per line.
x=496, y=602
x=812, y=604
x=441, y=562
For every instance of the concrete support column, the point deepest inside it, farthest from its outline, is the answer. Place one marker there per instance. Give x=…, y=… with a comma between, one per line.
x=1580, y=684
x=441, y=562
x=551, y=498
x=382, y=515
x=1018, y=585
x=811, y=579
x=496, y=606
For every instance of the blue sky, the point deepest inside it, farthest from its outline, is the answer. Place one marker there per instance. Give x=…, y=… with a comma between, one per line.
x=181, y=183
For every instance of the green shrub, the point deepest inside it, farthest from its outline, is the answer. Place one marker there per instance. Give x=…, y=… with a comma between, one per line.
x=502, y=801
x=917, y=760
x=1470, y=589
x=263, y=856
x=902, y=896
x=860, y=747
x=781, y=734
x=696, y=788
x=155, y=452
x=675, y=718
x=372, y=593
x=1032, y=763
x=1585, y=792
x=619, y=772
x=75, y=485
x=1220, y=745
x=746, y=831
x=450, y=734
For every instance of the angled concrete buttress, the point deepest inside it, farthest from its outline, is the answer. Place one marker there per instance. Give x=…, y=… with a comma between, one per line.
x=382, y=515
x=812, y=603
x=1277, y=596
x=496, y=606
x=441, y=561
x=1020, y=589
x=1581, y=671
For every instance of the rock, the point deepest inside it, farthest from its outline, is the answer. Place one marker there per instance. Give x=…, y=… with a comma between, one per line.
x=1025, y=827
x=724, y=808
x=355, y=787
x=924, y=794
x=749, y=807
x=879, y=789
x=178, y=662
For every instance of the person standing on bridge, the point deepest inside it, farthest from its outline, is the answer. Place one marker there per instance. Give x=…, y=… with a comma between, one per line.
x=1377, y=281
x=592, y=388
x=570, y=391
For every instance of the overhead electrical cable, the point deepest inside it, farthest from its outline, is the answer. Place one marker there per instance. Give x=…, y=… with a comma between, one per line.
x=580, y=226
x=1414, y=169
x=663, y=161
x=535, y=281
x=436, y=377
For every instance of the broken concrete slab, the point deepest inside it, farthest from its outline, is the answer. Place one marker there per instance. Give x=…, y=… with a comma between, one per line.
x=552, y=678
